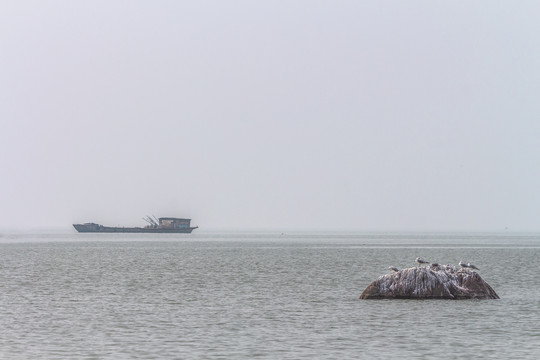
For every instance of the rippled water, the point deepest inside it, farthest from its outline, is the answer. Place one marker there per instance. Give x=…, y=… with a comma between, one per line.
x=269, y=296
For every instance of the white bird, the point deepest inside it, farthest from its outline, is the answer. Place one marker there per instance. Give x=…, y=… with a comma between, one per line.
x=393, y=268
x=462, y=264
x=469, y=265
x=421, y=261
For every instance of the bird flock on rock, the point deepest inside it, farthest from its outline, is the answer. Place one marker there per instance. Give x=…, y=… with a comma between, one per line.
x=421, y=262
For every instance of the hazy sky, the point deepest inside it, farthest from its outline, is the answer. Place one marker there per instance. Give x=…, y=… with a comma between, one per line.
x=345, y=115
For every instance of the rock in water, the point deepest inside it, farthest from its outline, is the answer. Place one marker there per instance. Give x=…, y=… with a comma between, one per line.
x=435, y=282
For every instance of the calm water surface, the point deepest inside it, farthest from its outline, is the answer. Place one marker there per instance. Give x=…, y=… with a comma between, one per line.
x=258, y=295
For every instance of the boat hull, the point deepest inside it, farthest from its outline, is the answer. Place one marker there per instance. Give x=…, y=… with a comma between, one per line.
x=96, y=228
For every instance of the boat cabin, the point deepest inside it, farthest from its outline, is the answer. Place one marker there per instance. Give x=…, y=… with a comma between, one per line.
x=174, y=223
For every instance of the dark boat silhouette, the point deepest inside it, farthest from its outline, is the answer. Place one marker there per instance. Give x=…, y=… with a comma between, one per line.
x=161, y=225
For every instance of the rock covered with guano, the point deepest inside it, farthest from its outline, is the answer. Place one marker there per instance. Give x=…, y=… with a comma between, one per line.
x=430, y=282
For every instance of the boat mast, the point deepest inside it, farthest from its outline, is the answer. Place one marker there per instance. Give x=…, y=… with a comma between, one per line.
x=150, y=221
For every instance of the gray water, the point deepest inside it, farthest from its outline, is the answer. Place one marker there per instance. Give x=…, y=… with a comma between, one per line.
x=258, y=295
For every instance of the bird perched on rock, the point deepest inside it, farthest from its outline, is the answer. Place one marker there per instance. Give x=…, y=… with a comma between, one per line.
x=421, y=261
x=462, y=264
x=469, y=265
x=394, y=269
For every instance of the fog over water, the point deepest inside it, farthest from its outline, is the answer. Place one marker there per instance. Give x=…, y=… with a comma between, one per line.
x=347, y=115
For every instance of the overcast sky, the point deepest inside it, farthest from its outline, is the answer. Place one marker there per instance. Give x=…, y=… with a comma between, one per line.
x=344, y=115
